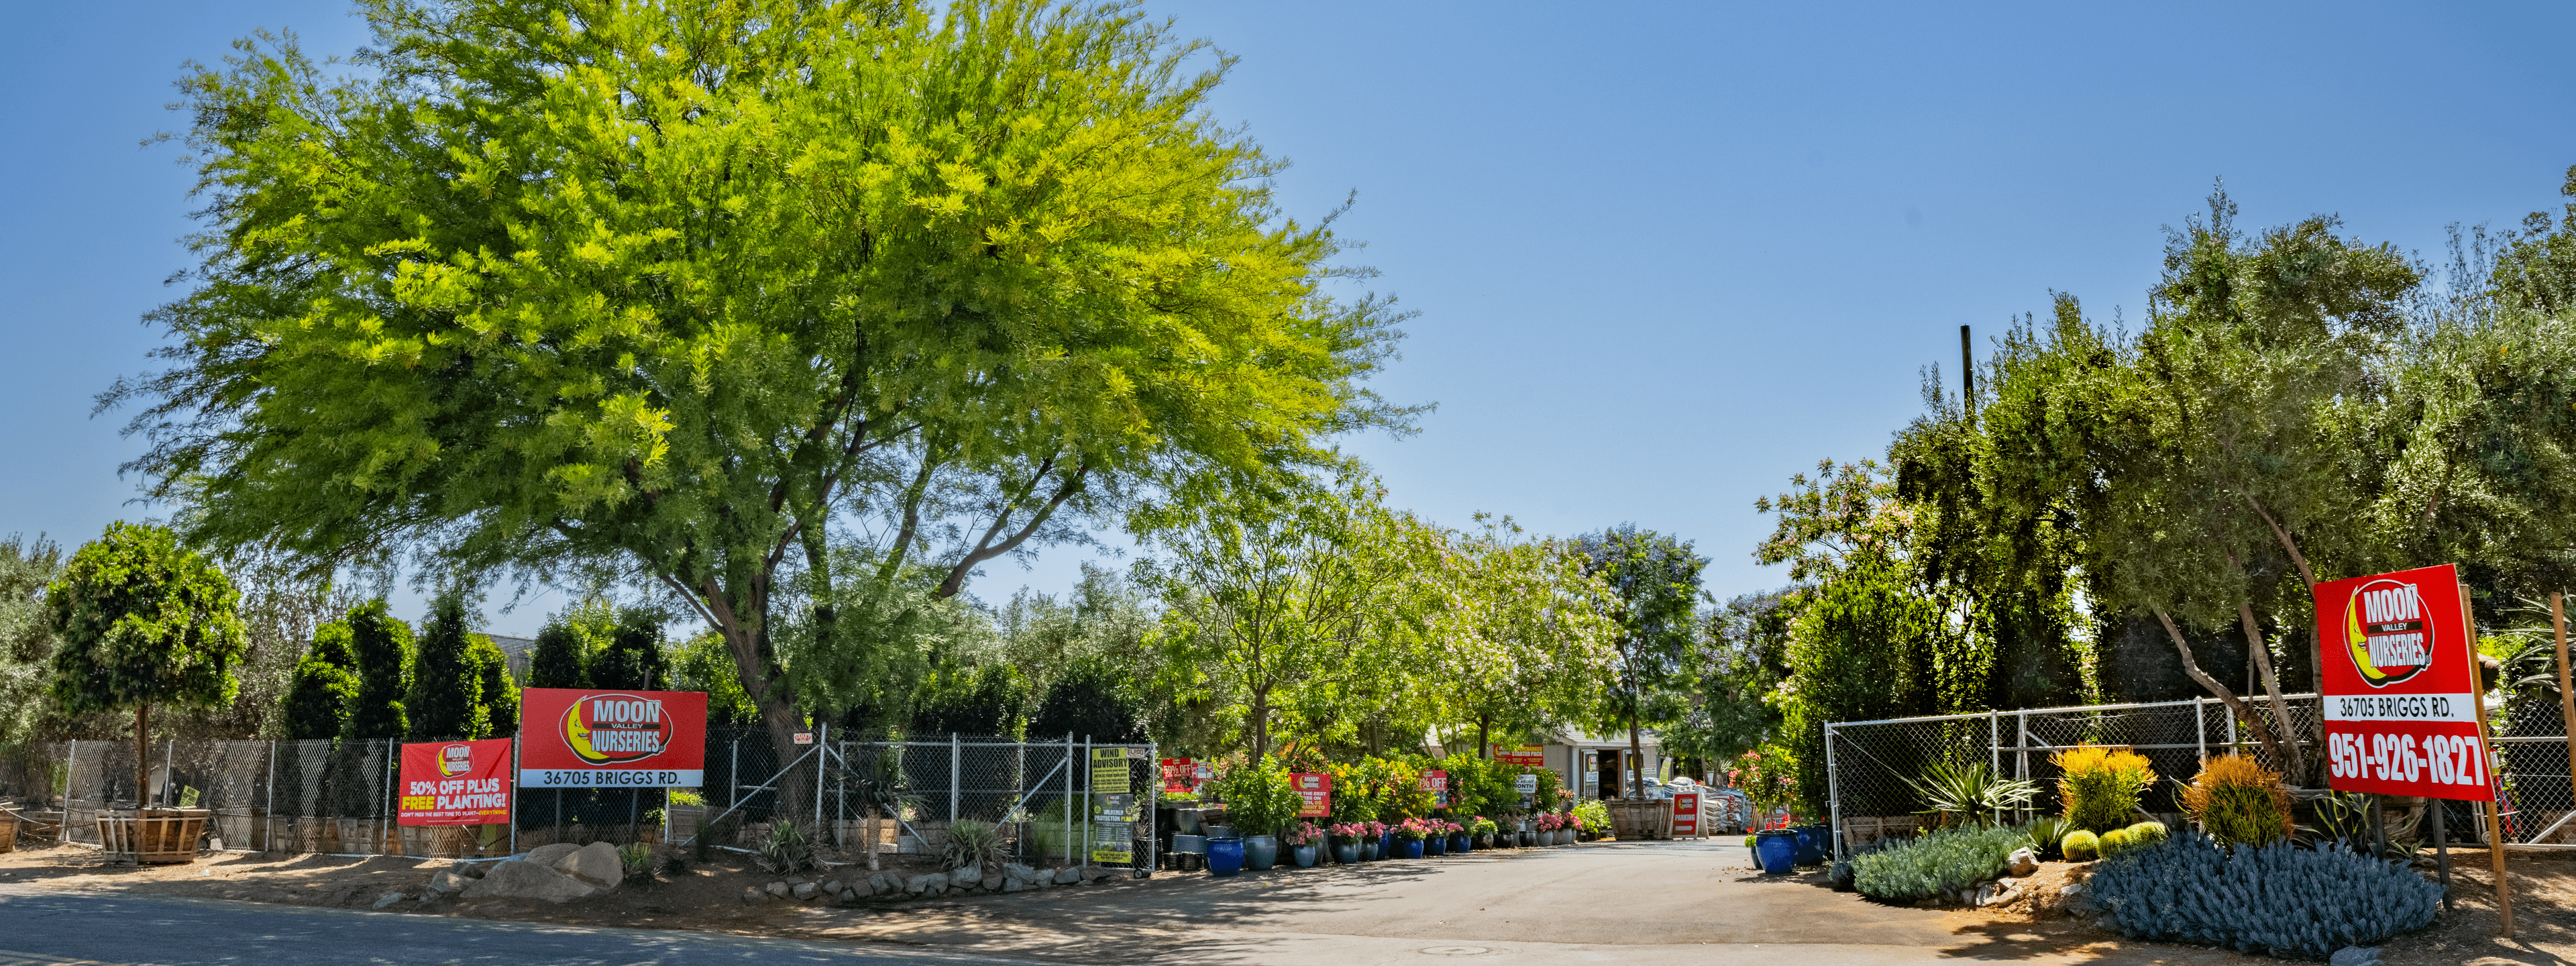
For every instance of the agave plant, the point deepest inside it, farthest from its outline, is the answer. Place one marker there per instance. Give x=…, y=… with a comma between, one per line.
x=2046, y=834
x=1971, y=794
x=787, y=850
x=972, y=843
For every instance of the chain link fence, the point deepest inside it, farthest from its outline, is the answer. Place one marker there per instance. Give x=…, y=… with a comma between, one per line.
x=1870, y=765
x=1062, y=802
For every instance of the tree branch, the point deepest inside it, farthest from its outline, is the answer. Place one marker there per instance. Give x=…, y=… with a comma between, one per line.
x=985, y=549
x=2284, y=536
x=2235, y=705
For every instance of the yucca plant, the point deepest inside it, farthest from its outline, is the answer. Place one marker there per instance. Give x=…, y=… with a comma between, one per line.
x=2047, y=835
x=1971, y=794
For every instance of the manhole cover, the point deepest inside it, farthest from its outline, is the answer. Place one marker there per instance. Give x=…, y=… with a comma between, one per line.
x=1455, y=950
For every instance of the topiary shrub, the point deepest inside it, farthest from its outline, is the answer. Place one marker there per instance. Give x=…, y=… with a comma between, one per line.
x=2080, y=846
x=2101, y=786
x=1937, y=863
x=2238, y=801
x=2274, y=898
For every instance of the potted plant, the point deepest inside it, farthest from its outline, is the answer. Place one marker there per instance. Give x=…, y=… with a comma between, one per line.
x=1260, y=800
x=1409, y=837
x=1374, y=843
x=1458, y=838
x=1482, y=831
x=1305, y=842
x=1346, y=843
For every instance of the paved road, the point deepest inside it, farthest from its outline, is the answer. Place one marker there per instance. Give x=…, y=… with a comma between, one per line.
x=52, y=926
x=1658, y=902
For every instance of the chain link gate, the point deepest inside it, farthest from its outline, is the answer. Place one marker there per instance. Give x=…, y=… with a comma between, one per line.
x=1868, y=763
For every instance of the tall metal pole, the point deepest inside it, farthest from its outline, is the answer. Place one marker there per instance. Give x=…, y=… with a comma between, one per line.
x=170, y=772
x=1068, y=798
x=268, y=807
x=822, y=746
x=1089, y=783
x=71, y=760
x=956, y=760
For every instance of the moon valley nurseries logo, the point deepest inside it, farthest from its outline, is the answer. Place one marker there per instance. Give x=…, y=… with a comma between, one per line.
x=2385, y=632
x=606, y=729
x=454, y=760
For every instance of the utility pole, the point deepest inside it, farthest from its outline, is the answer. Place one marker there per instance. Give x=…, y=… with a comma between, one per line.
x=1967, y=377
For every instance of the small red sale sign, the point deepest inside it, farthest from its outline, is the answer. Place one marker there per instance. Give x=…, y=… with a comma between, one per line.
x=2401, y=687
x=1314, y=794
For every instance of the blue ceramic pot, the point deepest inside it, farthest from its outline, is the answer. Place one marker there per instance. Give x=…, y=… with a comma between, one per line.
x=1386, y=843
x=1304, y=855
x=1346, y=853
x=1778, y=850
x=1225, y=857
x=1435, y=845
x=1811, y=843
x=1370, y=850
x=1408, y=850
x=1260, y=851
x=1459, y=844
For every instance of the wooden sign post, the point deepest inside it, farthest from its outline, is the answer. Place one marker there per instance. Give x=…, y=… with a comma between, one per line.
x=2486, y=734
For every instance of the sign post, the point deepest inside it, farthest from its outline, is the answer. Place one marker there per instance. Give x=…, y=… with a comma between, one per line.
x=2405, y=712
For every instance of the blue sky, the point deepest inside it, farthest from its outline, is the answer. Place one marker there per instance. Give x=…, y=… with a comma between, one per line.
x=1664, y=256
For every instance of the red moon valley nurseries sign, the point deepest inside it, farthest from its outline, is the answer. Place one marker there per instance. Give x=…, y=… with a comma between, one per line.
x=2401, y=686
x=573, y=738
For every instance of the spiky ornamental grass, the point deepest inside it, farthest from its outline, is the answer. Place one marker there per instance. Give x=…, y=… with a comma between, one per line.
x=1940, y=862
x=2277, y=898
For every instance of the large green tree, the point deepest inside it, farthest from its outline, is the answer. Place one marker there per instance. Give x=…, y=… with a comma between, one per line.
x=681, y=290
x=1653, y=584
x=142, y=621
x=383, y=646
x=323, y=687
x=26, y=638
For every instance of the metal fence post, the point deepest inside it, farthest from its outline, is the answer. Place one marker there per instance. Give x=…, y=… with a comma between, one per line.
x=822, y=751
x=1995, y=741
x=1068, y=798
x=393, y=760
x=956, y=761
x=268, y=806
x=1088, y=783
x=169, y=769
x=1833, y=793
x=2200, y=729
x=71, y=761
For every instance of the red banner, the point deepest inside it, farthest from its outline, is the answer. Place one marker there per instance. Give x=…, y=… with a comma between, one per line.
x=1179, y=775
x=1685, y=814
x=572, y=738
x=1531, y=755
x=2401, y=687
x=1314, y=793
x=1437, y=783
x=455, y=783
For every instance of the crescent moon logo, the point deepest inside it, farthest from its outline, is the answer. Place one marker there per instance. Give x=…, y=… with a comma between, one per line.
x=2385, y=633
x=604, y=729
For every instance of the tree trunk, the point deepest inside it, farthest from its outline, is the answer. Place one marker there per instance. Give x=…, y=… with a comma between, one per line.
x=142, y=755
x=1484, y=737
x=1637, y=757
x=1260, y=724
x=2235, y=706
x=2262, y=655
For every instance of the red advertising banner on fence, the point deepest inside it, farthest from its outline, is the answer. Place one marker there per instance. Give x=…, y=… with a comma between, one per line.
x=573, y=738
x=1314, y=794
x=1437, y=783
x=1178, y=775
x=455, y=783
x=2401, y=687
x=1531, y=755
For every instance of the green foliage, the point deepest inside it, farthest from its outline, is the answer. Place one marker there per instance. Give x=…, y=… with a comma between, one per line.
x=446, y=698
x=1937, y=863
x=978, y=271
x=787, y=850
x=560, y=658
x=2080, y=846
x=2047, y=835
x=638, y=860
x=2100, y=786
x=1259, y=796
x=633, y=660
x=972, y=701
x=2114, y=842
x=2238, y=801
x=1594, y=815
x=2145, y=834
x=1653, y=584
x=141, y=622
x=1971, y=794
x=500, y=695
x=27, y=639
x=1096, y=697
x=972, y=843
x=324, y=686
x=704, y=665
x=1862, y=647
x=383, y=647
x=2276, y=898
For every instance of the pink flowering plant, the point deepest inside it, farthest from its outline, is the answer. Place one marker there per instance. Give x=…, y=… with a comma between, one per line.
x=1301, y=834
x=1416, y=829
x=1352, y=831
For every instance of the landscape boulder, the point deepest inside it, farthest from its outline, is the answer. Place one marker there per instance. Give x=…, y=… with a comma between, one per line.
x=388, y=899
x=517, y=879
x=597, y=863
x=545, y=856
x=778, y=888
x=1068, y=875
x=2021, y=862
x=966, y=875
x=447, y=881
x=804, y=891
x=927, y=883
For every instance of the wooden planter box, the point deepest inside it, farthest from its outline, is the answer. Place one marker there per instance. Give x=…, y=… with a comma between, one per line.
x=1634, y=819
x=8, y=832
x=155, y=836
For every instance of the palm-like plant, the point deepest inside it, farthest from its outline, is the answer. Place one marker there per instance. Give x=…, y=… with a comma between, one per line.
x=1971, y=794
